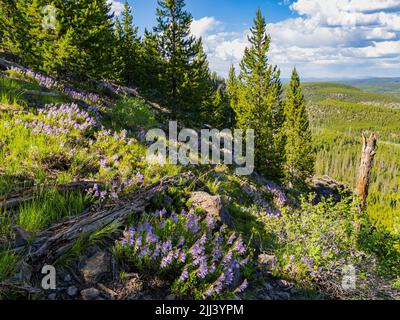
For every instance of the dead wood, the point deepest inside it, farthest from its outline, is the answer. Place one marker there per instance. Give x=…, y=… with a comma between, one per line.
x=57, y=240
x=367, y=158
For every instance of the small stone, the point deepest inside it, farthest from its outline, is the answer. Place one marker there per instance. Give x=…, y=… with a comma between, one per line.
x=67, y=278
x=268, y=287
x=170, y=297
x=268, y=260
x=90, y=294
x=96, y=267
x=72, y=291
x=52, y=296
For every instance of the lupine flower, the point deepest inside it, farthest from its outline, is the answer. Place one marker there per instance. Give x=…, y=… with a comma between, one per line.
x=184, y=275
x=242, y=287
x=166, y=261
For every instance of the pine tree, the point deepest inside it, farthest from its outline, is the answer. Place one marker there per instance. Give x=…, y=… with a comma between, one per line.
x=91, y=26
x=118, y=60
x=300, y=159
x=182, y=57
x=197, y=88
x=232, y=87
x=151, y=67
x=259, y=104
x=130, y=46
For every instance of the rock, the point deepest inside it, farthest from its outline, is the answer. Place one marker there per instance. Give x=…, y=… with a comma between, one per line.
x=72, y=291
x=268, y=287
x=170, y=297
x=212, y=205
x=268, y=260
x=67, y=278
x=52, y=296
x=90, y=294
x=96, y=267
x=326, y=187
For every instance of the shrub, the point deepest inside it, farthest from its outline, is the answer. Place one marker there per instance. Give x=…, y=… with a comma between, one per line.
x=316, y=241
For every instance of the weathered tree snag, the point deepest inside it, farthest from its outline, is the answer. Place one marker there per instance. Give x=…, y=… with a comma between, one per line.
x=367, y=157
x=57, y=240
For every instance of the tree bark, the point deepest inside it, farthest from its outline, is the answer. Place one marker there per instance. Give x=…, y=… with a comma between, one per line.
x=367, y=157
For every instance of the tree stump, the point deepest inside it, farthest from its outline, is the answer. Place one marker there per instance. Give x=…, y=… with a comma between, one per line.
x=367, y=157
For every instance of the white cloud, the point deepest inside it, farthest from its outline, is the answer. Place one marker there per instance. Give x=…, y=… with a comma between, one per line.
x=330, y=38
x=116, y=7
x=201, y=27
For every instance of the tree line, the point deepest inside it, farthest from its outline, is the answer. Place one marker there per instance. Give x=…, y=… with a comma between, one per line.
x=169, y=65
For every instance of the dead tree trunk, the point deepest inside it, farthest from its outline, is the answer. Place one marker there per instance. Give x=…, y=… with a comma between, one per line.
x=367, y=157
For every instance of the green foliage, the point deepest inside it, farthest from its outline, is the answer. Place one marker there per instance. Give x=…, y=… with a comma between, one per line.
x=259, y=104
x=300, y=159
x=8, y=262
x=315, y=240
x=131, y=114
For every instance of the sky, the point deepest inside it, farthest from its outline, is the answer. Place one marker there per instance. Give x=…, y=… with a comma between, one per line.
x=325, y=39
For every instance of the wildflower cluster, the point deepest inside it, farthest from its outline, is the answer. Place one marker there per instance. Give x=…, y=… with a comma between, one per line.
x=202, y=260
x=59, y=120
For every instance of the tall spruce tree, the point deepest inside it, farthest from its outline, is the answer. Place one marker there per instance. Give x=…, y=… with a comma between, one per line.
x=259, y=104
x=91, y=28
x=184, y=62
x=130, y=43
x=118, y=60
x=232, y=86
x=152, y=66
x=300, y=159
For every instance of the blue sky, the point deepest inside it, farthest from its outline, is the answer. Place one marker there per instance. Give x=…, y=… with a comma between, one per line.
x=321, y=38
x=235, y=14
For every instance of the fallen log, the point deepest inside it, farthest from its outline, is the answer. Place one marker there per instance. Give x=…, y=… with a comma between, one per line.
x=133, y=92
x=16, y=200
x=54, y=242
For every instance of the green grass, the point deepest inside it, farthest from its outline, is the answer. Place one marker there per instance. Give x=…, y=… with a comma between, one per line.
x=49, y=207
x=8, y=261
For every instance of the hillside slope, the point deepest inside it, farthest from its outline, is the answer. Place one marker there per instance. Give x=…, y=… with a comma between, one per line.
x=77, y=193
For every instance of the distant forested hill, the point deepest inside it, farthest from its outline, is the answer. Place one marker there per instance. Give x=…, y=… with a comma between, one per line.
x=390, y=86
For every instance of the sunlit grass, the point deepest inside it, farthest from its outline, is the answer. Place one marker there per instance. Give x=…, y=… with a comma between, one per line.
x=50, y=207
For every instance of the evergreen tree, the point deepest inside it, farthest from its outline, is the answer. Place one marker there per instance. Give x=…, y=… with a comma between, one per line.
x=118, y=60
x=300, y=159
x=197, y=88
x=151, y=67
x=259, y=104
x=91, y=28
x=232, y=87
x=130, y=46
x=184, y=62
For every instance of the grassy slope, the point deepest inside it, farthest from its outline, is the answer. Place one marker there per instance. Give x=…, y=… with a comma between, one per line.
x=338, y=114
